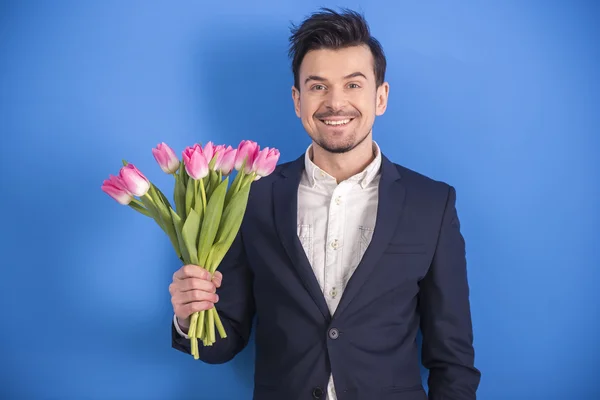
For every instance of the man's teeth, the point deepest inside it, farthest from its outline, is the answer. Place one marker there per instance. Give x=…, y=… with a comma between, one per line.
x=342, y=122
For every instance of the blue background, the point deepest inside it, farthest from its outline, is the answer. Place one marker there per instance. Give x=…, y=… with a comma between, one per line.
x=500, y=100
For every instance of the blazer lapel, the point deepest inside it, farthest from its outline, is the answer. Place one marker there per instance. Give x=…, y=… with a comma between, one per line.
x=285, y=200
x=389, y=209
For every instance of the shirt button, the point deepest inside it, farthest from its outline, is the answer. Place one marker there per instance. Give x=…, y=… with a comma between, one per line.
x=334, y=244
x=323, y=174
x=334, y=333
x=338, y=200
x=333, y=292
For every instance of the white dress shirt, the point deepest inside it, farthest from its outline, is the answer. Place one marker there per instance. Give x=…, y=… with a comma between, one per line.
x=335, y=226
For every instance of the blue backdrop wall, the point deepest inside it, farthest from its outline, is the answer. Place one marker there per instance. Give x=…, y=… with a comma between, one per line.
x=499, y=99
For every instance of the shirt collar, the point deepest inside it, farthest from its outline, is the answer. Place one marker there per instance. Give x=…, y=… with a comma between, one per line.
x=364, y=178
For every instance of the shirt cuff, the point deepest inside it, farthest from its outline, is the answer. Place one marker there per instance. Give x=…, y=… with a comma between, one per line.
x=178, y=328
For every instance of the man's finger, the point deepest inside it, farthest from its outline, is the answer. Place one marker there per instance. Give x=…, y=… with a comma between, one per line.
x=196, y=284
x=191, y=271
x=217, y=279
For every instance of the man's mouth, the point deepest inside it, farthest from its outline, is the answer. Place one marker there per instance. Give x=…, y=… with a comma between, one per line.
x=339, y=122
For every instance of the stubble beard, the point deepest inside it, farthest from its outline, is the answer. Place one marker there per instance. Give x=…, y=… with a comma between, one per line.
x=341, y=148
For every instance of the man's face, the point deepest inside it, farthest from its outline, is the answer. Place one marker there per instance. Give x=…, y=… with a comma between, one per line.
x=338, y=97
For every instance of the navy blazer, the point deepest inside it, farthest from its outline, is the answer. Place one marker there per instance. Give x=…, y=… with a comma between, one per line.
x=413, y=275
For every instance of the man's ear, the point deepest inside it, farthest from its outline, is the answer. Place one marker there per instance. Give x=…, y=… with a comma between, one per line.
x=382, y=98
x=296, y=99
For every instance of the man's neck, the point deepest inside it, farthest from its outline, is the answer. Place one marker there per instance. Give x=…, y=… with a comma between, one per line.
x=344, y=165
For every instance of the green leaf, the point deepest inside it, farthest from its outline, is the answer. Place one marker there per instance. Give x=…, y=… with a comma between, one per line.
x=214, y=181
x=207, y=188
x=210, y=181
x=153, y=210
x=188, y=178
x=178, y=224
x=212, y=162
x=161, y=195
x=167, y=221
x=162, y=216
x=183, y=174
x=189, y=196
x=211, y=222
x=179, y=196
x=158, y=202
x=140, y=209
x=190, y=235
x=236, y=183
x=230, y=225
x=235, y=209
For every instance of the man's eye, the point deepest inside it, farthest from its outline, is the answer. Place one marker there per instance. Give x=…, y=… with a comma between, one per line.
x=354, y=86
x=318, y=87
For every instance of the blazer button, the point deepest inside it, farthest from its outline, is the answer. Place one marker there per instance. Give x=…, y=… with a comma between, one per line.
x=317, y=393
x=334, y=333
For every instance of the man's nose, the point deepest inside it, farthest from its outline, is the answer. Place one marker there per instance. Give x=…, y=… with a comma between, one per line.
x=336, y=99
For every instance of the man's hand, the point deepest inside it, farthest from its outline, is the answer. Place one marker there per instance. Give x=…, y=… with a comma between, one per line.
x=193, y=290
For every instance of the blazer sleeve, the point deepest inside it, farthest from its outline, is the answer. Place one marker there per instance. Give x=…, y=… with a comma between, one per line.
x=447, y=347
x=236, y=309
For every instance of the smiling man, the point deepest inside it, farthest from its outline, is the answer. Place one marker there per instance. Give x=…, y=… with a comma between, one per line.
x=343, y=255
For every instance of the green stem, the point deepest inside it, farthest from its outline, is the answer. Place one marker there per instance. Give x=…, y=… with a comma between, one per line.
x=200, y=331
x=193, y=323
x=195, y=352
x=203, y=195
x=219, y=324
x=211, y=325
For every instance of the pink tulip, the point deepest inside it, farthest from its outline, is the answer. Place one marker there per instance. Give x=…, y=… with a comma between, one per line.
x=209, y=151
x=115, y=188
x=265, y=162
x=219, y=151
x=246, y=148
x=166, y=158
x=195, y=162
x=226, y=162
x=135, y=182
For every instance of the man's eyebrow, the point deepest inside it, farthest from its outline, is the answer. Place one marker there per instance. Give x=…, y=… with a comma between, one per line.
x=321, y=79
x=314, y=78
x=354, y=75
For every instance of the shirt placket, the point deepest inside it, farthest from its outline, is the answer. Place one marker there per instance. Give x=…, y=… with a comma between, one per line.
x=335, y=244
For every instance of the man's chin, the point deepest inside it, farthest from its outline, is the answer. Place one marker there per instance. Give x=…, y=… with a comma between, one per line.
x=336, y=148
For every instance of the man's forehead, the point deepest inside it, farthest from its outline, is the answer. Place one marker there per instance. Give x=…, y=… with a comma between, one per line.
x=337, y=64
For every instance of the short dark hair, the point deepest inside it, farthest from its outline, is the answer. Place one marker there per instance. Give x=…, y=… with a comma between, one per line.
x=328, y=29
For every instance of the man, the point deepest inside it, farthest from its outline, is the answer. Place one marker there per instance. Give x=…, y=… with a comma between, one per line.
x=342, y=255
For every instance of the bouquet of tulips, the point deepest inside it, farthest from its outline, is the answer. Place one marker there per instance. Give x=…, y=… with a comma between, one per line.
x=208, y=211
